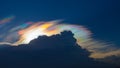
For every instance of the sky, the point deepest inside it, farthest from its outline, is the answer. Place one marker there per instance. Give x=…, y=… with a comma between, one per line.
x=100, y=16
x=94, y=23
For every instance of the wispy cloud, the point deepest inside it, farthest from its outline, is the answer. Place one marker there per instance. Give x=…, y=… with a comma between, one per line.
x=7, y=19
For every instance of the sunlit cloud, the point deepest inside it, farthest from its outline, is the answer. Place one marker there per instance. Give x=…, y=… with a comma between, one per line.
x=24, y=33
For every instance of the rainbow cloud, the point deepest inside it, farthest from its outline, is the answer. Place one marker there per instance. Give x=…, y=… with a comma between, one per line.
x=26, y=32
x=6, y=20
x=51, y=28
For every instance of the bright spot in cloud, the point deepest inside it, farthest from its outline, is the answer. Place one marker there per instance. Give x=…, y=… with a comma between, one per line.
x=24, y=33
x=33, y=34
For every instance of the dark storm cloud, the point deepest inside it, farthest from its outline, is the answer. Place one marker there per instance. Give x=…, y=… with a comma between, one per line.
x=57, y=51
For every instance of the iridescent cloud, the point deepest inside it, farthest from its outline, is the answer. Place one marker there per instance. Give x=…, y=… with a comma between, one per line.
x=6, y=20
x=26, y=32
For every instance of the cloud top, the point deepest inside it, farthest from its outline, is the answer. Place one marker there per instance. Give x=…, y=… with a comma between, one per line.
x=24, y=33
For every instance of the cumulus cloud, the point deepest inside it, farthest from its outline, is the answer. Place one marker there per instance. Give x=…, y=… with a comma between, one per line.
x=45, y=52
x=24, y=33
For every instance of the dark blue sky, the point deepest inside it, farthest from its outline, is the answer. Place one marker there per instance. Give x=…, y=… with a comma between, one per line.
x=100, y=16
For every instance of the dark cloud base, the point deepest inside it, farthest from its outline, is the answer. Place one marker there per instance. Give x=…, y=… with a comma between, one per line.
x=58, y=51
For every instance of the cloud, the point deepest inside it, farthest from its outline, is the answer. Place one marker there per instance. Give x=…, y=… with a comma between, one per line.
x=57, y=51
x=82, y=35
x=6, y=20
x=24, y=33
x=101, y=49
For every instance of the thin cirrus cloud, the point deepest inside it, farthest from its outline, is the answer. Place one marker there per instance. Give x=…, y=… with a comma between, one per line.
x=24, y=33
x=7, y=19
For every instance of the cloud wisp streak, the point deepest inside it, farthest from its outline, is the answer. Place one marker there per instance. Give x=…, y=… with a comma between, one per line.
x=6, y=20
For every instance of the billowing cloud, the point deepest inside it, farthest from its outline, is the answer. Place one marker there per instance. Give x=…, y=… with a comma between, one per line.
x=26, y=32
x=82, y=34
x=49, y=52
